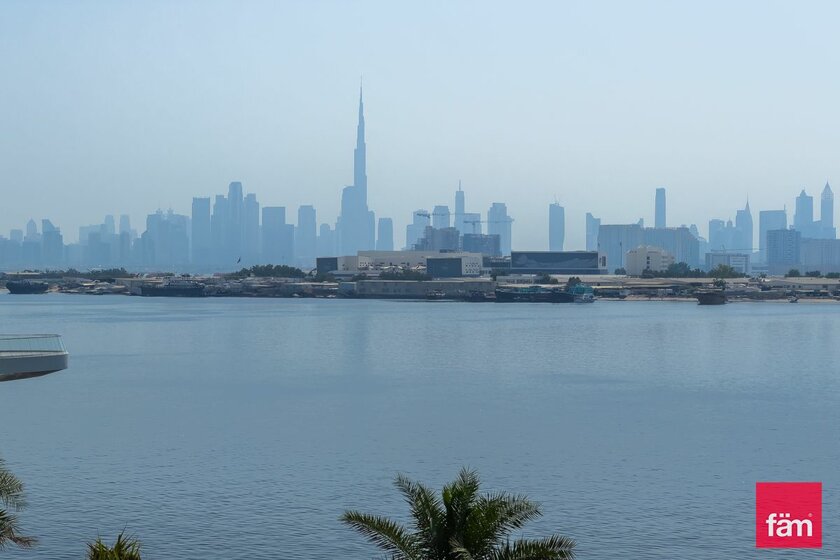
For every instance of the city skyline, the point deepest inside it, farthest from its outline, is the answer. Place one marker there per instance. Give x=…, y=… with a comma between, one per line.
x=592, y=115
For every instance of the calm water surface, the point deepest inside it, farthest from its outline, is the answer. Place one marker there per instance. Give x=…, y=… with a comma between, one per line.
x=241, y=428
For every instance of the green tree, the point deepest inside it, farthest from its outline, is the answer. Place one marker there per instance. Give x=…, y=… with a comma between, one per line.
x=12, y=501
x=460, y=524
x=793, y=273
x=125, y=548
x=724, y=271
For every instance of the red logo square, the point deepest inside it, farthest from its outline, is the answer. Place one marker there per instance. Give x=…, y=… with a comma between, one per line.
x=788, y=514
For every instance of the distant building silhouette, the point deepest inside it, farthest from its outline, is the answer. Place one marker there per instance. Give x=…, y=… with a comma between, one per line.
x=499, y=223
x=459, y=210
x=556, y=227
x=278, y=237
x=769, y=220
x=659, y=218
x=202, y=243
x=306, y=236
x=385, y=237
x=441, y=217
x=593, y=225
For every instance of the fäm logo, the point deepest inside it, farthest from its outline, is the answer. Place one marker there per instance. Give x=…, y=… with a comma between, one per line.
x=788, y=514
x=781, y=525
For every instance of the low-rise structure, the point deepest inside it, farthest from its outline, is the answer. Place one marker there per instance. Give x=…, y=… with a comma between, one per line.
x=645, y=257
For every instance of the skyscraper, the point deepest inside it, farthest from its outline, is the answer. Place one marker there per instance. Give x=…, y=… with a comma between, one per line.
x=201, y=240
x=415, y=230
x=769, y=220
x=251, y=230
x=356, y=225
x=593, y=224
x=385, y=239
x=306, y=236
x=803, y=218
x=125, y=223
x=499, y=223
x=827, y=213
x=440, y=217
x=659, y=218
x=326, y=241
x=556, y=227
x=459, y=210
x=235, y=228
x=278, y=237
x=744, y=230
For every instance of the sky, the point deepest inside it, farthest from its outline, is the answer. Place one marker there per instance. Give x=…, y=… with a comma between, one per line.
x=127, y=107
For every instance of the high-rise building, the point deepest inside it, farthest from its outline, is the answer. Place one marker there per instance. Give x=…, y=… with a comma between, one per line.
x=743, y=230
x=769, y=220
x=459, y=210
x=306, y=236
x=783, y=247
x=356, y=225
x=165, y=243
x=499, y=223
x=201, y=239
x=125, y=223
x=556, y=227
x=803, y=218
x=235, y=226
x=385, y=238
x=593, y=225
x=278, y=237
x=487, y=245
x=326, y=241
x=827, y=229
x=614, y=240
x=218, y=230
x=414, y=231
x=109, y=226
x=659, y=218
x=250, y=230
x=472, y=223
x=440, y=217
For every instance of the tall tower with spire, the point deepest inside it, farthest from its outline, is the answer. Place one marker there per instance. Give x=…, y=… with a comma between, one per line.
x=356, y=225
x=360, y=153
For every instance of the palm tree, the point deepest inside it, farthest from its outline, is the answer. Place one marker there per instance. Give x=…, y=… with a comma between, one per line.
x=126, y=548
x=11, y=501
x=461, y=524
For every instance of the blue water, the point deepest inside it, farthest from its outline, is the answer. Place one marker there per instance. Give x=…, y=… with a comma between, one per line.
x=242, y=428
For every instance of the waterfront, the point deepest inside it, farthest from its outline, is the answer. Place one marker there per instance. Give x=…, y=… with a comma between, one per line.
x=238, y=428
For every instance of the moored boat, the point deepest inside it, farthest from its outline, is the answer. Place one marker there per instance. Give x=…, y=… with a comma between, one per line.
x=710, y=297
x=26, y=287
x=174, y=288
x=533, y=294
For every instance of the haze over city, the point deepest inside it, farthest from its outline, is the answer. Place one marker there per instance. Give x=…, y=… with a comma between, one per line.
x=592, y=104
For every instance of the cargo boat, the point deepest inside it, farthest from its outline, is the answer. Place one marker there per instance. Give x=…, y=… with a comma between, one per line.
x=710, y=297
x=533, y=294
x=26, y=287
x=174, y=288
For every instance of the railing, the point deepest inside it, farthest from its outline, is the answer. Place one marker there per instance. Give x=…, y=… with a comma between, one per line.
x=31, y=343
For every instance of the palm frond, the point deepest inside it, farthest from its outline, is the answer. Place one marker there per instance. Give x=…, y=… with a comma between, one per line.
x=426, y=511
x=554, y=547
x=388, y=535
x=10, y=532
x=11, y=489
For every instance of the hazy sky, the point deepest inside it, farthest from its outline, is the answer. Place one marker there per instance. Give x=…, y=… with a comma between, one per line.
x=124, y=107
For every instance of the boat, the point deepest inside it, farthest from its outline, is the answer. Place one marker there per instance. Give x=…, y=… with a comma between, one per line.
x=793, y=299
x=583, y=293
x=435, y=294
x=710, y=297
x=174, y=288
x=26, y=287
x=23, y=356
x=479, y=296
x=533, y=294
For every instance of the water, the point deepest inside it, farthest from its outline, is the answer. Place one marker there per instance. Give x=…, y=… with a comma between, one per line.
x=242, y=428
